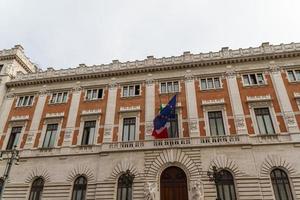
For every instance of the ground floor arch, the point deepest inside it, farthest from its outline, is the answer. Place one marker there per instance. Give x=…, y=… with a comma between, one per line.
x=173, y=184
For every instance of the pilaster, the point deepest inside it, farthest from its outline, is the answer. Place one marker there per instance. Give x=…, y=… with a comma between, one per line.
x=42, y=96
x=283, y=99
x=191, y=99
x=5, y=109
x=149, y=106
x=236, y=102
x=110, y=111
x=72, y=116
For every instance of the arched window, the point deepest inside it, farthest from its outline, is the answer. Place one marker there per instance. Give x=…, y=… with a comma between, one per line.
x=225, y=186
x=281, y=185
x=36, y=189
x=125, y=186
x=79, y=188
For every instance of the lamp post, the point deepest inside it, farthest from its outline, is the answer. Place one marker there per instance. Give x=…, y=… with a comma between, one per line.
x=12, y=155
x=215, y=176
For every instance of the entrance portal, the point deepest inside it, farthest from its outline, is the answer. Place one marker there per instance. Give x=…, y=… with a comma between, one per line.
x=173, y=184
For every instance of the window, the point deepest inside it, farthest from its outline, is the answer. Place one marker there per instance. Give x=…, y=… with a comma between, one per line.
x=216, y=125
x=79, y=188
x=1, y=185
x=14, y=137
x=264, y=121
x=94, y=94
x=281, y=185
x=210, y=83
x=253, y=79
x=25, y=101
x=50, y=136
x=169, y=87
x=225, y=186
x=129, y=126
x=59, y=97
x=125, y=186
x=36, y=189
x=131, y=90
x=294, y=75
x=88, y=133
x=172, y=124
x=1, y=66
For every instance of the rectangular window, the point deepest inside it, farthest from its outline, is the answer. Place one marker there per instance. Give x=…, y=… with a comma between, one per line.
x=50, y=136
x=131, y=90
x=1, y=66
x=129, y=126
x=25, y=101
x=169, y=87
x=59, y=97
x=253, y=79
x=210, y=83
x=294, y=75
x=93, y=94
x=264, y=121
x=172, y=124
x=88, y=133
x=14, y=137
x=216, y=125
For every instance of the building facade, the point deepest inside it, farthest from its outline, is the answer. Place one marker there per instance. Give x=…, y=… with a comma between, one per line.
x=85, y=132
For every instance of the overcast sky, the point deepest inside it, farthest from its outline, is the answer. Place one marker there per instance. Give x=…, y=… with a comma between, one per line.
x=65, y=33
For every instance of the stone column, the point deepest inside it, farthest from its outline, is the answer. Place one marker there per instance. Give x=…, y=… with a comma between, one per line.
x=71, y=122
x=110, y=112
x=4, y=111
x=192, y=109
x=37, y=115
x=284, y=101
x=236, y=103
x=149, y=107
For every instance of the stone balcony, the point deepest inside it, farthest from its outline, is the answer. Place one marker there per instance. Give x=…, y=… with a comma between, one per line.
x=199, y=142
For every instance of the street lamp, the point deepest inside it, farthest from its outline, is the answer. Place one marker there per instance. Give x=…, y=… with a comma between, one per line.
x=11, y=156
x=215, y=176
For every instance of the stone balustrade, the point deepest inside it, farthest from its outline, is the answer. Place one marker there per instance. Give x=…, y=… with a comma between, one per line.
x=162, y=143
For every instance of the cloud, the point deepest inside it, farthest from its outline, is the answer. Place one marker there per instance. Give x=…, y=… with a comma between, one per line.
x=64, y=33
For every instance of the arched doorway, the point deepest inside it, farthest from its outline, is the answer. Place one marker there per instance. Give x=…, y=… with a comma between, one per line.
x=173, y=184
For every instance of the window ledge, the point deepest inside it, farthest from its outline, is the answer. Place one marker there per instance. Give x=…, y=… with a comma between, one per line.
x=57, y=103
x=129, y=97
x=92, y=100
x=294, y=82
x=255, y=86
x=211, y=89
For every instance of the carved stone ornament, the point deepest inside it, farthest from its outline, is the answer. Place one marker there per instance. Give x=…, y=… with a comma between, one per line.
x=193, y=125
x=188, y=75
x=197, y=190
x=240, y=122
x=149, y=128
x=290, y=119
x=149, y=80
x=113, y=84
x=10, y=95
x=151, y=191
x=68, y=134
x=107, y=130
x=230, y=73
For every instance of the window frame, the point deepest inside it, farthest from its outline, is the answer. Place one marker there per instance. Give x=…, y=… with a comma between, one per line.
x=213, y=83
x=128, y=182
x=250, y=84
x=294, y=75
x=1, y=67
x=283, y=171
x=21, y=101
x=79, y=186
x=228, y=182
x=51, y=136
x=37, y=188
x=212, y=108
x=215, y=121
x=97, y=94
x=83, y=132
x=172, y=86
x=10, y=135
x=128, y=95
x=54, y=100
x=129, y=125
x=265, y=126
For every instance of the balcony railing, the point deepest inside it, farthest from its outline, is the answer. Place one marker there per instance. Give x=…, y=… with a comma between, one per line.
x=165, y=143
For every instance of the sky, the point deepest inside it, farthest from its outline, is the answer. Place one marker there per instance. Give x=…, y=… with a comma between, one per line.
x=66, y=33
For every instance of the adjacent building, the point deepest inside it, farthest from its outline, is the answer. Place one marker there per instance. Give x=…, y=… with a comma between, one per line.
x=85, y=132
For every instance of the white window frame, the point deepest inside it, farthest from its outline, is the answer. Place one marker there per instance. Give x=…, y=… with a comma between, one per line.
x=214, y=85
x=134, y=114
x=268, y=105
x=56, y=97
x=166, y=83
x=44, y=130
x=128, y=95
x=23, y=124
x=214, y=108
x=92, y=89
x=83, y=119
x=294, y=74
x=21, y=101
x=251, y=84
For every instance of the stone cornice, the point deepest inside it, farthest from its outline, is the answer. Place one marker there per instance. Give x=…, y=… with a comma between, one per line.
x=151, y=64
x=17, y=54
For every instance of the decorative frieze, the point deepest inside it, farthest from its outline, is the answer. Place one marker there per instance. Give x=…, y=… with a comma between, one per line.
x=130, y=109
x=91, y=112
x=20, y=118
x=259, y=98
x=213, y=102
x=54, y=115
